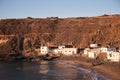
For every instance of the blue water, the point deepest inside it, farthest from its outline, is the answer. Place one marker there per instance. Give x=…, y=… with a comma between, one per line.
x=45, y=70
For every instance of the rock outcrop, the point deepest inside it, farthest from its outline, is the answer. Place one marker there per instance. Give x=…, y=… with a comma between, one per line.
x=30, y=33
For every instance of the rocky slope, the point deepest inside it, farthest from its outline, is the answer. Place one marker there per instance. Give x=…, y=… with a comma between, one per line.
x=30, y=33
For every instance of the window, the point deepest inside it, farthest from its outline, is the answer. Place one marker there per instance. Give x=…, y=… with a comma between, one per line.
x=113, y=55
x=110, y=55
x=95, y=54
x=73, y=52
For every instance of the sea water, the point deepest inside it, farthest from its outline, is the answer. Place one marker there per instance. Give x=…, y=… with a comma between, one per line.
x=46, y=70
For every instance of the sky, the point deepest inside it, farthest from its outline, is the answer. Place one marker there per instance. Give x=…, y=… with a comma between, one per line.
x=57, y=8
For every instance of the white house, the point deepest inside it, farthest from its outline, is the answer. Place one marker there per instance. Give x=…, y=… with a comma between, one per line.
x=113, y=56
x=69, y=51
x=86, y=50
x=61, y=47
x=93, y=45
x=108, y=49
x=65, y=51
x=44, y=49
x=93, y=53
x=56, y=51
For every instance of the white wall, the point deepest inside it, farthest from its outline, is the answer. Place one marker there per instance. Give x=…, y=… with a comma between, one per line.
x=69, y=51
x=44, y=49
x=93, y=53
x=113, y=56
x=61, y=47
x=56, y=51
x=93, y=45
x=86, y=51
x=104, y=49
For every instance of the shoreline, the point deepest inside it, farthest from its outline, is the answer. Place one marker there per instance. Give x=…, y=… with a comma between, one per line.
x=107, y=71
x=110, y=72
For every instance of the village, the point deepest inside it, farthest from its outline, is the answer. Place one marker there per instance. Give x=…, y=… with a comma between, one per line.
x=94, y=51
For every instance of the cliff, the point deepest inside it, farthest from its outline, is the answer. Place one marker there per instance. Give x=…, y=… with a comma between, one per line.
x=30, y=33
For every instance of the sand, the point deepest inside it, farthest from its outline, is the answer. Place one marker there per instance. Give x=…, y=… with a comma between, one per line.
x=111, y=72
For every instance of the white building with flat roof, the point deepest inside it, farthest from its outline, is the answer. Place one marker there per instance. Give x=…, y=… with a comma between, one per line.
x=108, y=49
x=44, y=50
x=61, y=47
x=113, y=56
x=93, y=53
x=57, y=51
x=69, y=51
x=93, y=45
x=86, y=50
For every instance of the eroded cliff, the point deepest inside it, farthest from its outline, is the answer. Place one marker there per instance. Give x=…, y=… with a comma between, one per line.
x=80, y=31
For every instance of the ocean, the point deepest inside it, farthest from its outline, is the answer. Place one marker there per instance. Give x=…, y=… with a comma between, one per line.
x=46, y=70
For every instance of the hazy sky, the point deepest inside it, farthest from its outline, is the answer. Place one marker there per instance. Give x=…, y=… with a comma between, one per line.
x=57, y=8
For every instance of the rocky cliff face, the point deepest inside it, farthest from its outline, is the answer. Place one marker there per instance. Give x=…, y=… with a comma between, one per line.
x=80, y=31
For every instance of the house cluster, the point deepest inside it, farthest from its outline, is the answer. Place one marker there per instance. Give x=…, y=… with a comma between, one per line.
x=92, y=52
x=66, y=50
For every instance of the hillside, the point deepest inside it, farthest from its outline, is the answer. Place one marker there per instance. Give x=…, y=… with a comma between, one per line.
x=80, y=31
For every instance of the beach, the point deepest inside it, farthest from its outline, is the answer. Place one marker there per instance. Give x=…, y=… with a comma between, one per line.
x=110, y=70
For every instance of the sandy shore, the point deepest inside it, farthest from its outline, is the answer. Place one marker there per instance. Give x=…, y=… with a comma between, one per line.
x=112, y=73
